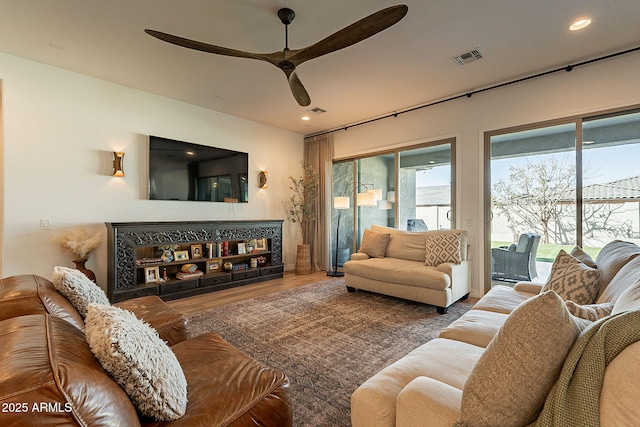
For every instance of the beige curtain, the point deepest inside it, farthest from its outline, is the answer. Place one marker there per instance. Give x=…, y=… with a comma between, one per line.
x=318, y=152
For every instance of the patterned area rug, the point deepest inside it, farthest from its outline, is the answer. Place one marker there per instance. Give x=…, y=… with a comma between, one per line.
x=326, y=340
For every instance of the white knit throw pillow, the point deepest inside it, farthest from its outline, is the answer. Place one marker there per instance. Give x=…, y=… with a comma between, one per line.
x=135, y=356
x=78, y=289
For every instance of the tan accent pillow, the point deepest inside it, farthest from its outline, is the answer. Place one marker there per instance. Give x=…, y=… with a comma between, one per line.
x=135, y=356
x=442, y=248
x=374, y=244
x=573, y=280
x=578, y=252
x=78, y=289
x=509, y=384
x=590, y=312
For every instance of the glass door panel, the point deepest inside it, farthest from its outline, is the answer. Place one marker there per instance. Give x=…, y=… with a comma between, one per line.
x=342, y=237
x=532, y=185
x=425, y=190
x=611, y=180
x=375, y=173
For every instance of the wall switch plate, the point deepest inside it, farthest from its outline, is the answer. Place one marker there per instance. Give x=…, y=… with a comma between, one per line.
x=45, y=224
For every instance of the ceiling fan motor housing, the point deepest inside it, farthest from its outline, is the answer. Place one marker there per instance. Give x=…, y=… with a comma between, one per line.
x=286, y=15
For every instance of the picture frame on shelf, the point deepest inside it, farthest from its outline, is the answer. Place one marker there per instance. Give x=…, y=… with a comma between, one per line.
x=151, y=274
x=214, y=265
x=261, y=244
x=242, y=248
x=181, y=255
x=196, y=251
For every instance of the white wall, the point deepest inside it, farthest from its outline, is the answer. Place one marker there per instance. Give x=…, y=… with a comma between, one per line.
x=60, y=129
x=593, y=88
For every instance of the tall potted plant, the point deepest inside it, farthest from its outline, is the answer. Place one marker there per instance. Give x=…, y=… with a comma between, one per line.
x=301, y=209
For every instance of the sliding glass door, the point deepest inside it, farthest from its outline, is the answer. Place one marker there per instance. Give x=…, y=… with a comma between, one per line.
x=573, y=183
x=411, y=189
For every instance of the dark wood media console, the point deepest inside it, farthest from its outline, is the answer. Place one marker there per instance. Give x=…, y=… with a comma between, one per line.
x=136, y=267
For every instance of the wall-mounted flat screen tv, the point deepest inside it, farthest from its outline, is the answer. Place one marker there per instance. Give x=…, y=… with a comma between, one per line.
x=184, y=171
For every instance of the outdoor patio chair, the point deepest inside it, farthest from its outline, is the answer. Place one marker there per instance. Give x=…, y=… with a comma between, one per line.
x=416, y=225
x=517, y=261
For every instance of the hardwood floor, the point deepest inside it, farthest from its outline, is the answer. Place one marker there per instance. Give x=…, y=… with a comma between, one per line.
x=228, y=296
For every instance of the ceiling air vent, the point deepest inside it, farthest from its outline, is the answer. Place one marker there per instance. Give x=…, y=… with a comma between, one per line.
x=318, y=110
x=468, y=57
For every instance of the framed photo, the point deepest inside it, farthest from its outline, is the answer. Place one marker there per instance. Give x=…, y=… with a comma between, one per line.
x=181, y=255
x=214, y=265
x=261, y=244
x=242, y=249
x=151, y=274
x=196, y=251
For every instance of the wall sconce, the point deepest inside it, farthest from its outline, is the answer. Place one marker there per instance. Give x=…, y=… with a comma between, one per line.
x=262, y=179
x=118, y=163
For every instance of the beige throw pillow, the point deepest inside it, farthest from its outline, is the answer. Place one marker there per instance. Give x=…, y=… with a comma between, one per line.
x=442, y=248
x=135, y=356
x=374, y=243
x=509, y=384
x=579, y=253
x=573, y=280
x=629, y=299
x=590, y=312
x=78, y=289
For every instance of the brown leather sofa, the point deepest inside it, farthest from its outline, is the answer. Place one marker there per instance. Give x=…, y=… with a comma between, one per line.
x=48, y=375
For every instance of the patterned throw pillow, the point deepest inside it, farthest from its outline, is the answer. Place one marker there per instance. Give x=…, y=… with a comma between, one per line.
x=509, y=384
x=573, y=280
x=135, y=356
x=374, y=243
x=78, y=289
x=591, y=312
x=443, y=248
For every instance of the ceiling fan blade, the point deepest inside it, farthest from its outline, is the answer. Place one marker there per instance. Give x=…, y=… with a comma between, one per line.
x=204, y=47
x=298, y=90
x=354, y=33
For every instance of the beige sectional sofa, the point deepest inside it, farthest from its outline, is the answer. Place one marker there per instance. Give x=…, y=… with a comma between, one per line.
x=431, y=267
x=525, y=356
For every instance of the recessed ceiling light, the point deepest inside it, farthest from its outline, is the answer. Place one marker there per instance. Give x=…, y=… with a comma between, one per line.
x=580, y=24
x=305, y=118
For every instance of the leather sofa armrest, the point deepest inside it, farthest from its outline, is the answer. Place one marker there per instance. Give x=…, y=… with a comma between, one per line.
x=359, y=256
x=172, y=326
x=425, y=401
x=528, y=287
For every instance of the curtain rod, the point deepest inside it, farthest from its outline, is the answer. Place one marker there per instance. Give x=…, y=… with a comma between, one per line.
x=567, y=69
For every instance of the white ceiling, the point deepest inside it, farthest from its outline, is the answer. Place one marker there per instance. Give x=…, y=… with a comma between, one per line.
x=406, y=65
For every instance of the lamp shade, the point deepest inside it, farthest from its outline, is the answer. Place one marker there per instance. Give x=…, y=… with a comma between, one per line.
x=366, y=199
x=391, y=196
x=377, y=193
x=341, y=203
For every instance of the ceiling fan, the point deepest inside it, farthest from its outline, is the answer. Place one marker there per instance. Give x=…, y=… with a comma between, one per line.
x=287, y=60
